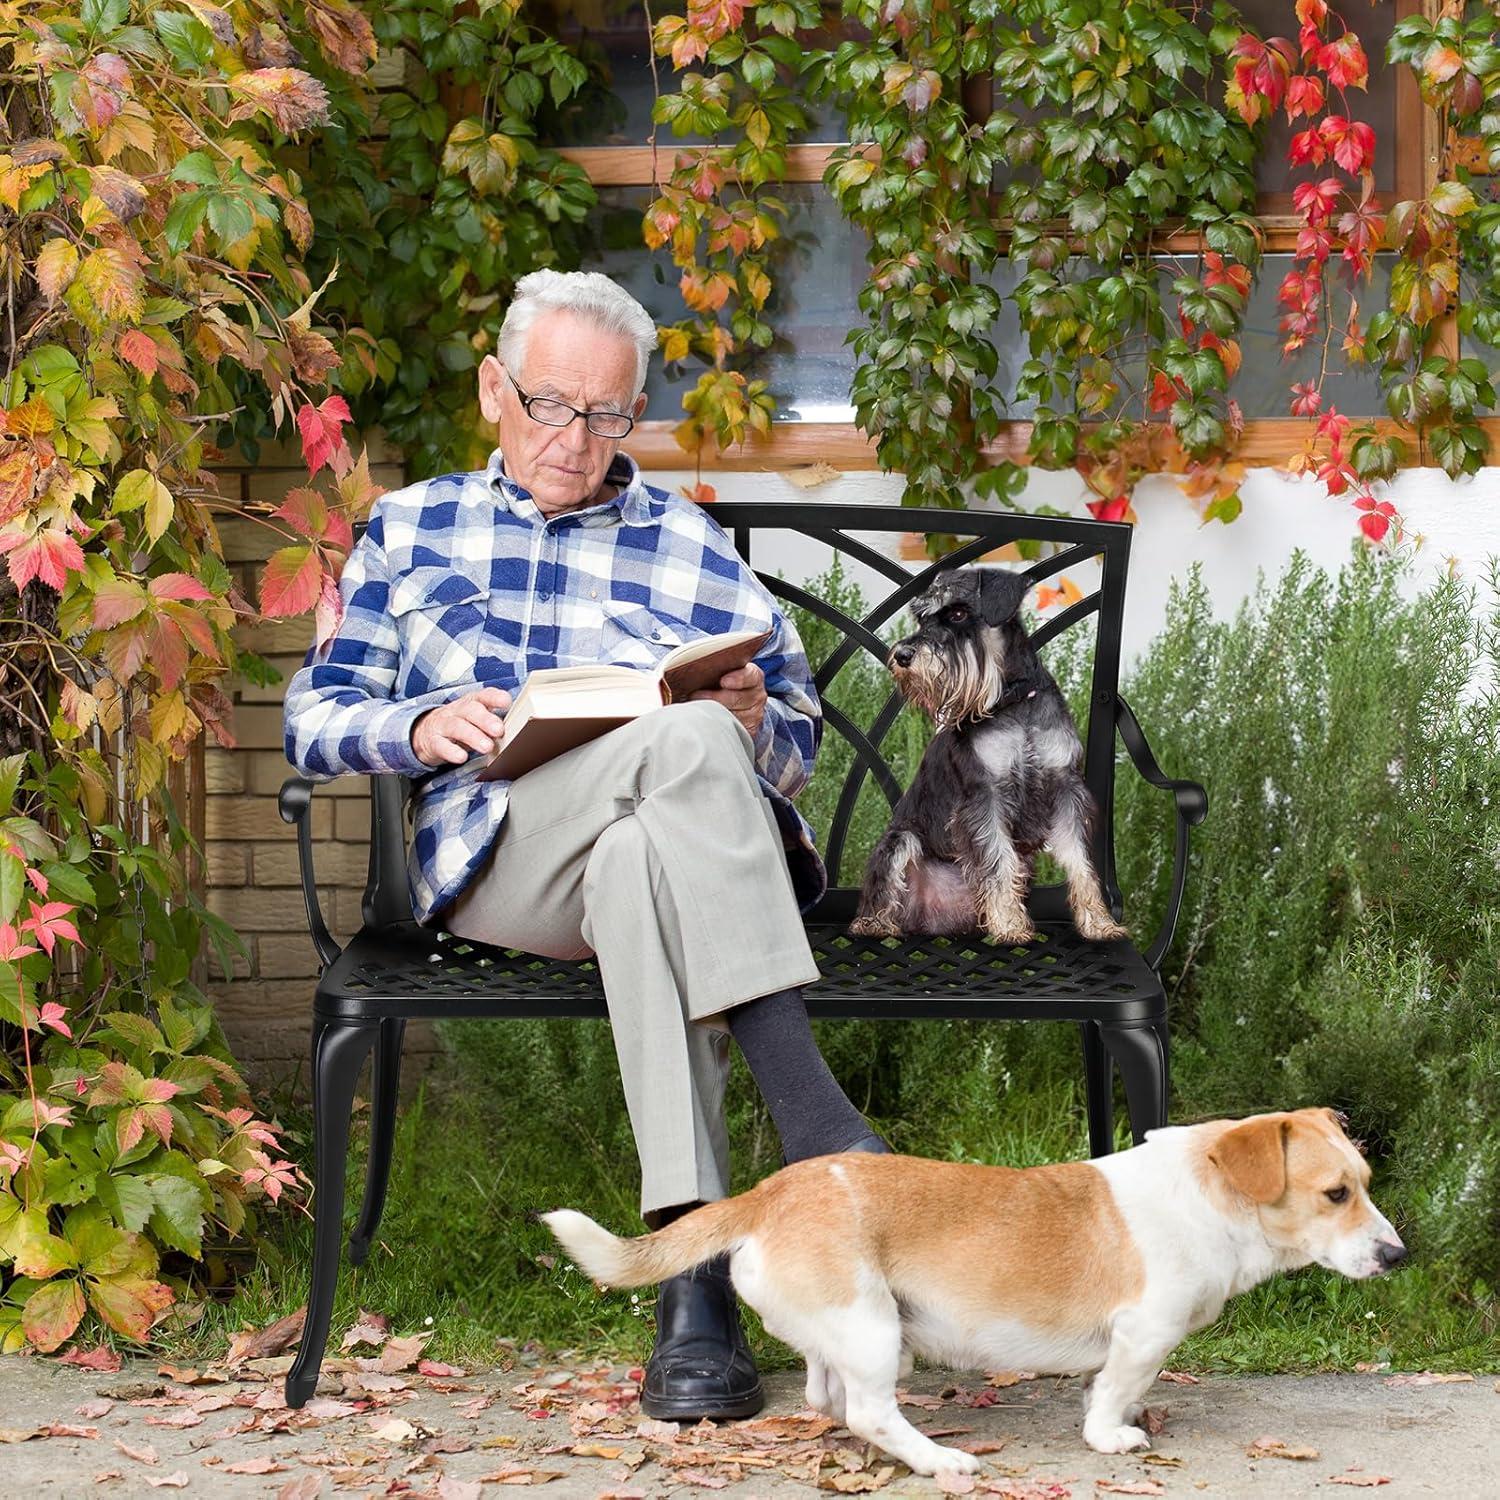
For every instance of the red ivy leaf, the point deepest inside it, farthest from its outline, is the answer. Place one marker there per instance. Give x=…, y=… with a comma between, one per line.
x=48, y=555
x=322, y=432
x=139, y=349
x=291, y=581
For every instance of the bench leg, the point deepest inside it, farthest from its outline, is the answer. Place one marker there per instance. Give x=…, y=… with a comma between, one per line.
x=386, y=1085
x=339, y=1053
x=1140, y=1052
x=1099, y=1082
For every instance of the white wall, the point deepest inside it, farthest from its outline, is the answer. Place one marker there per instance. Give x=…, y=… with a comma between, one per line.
x=1447, y=524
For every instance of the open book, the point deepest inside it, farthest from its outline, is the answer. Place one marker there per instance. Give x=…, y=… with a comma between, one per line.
x=560, y=707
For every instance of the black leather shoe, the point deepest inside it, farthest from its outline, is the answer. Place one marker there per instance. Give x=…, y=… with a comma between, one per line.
x=701, y=1365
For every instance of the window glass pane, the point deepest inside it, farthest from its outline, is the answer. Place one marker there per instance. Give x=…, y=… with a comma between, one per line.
x=1263, y=383
x=620, y=115
x=817, y=268
x=1375, y=104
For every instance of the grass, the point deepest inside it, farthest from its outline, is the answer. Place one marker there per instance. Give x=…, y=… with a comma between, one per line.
x=458, y=1247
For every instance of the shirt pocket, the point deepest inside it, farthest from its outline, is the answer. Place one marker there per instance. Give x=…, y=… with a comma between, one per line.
x=632, y=635
x=440, y=617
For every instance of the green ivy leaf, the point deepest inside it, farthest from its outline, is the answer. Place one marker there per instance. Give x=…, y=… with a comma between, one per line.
x=177, y=1219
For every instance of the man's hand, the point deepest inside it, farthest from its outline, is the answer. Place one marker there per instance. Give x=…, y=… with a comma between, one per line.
x=742, y=692
x=450, y=733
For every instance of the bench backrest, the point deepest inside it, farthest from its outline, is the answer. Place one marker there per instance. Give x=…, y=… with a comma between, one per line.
x=1073, y=543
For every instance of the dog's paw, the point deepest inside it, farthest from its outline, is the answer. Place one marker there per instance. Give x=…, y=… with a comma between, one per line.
x=1115, y=1439
x=954, y=1461
x=1010, y=932
x=1099, y=929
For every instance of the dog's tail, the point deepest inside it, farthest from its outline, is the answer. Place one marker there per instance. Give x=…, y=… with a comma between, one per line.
x=686, y=1242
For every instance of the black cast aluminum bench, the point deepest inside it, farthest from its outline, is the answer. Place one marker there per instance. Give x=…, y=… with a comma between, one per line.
x=393, y=970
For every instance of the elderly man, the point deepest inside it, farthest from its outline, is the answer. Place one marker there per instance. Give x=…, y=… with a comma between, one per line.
x=669, y=848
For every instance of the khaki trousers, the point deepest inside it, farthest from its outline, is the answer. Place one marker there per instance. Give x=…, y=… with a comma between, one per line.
x=654, y=848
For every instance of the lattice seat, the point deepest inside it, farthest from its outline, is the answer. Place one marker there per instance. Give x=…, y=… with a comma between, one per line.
x=1056, y=977
x=393, y=970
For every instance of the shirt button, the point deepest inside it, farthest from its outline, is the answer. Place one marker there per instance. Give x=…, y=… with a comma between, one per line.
x=544, y=596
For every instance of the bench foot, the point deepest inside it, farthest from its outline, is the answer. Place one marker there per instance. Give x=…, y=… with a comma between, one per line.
x=299, y=1390
x=339, y=1053
x=1140, y=1053
x=385, y=1087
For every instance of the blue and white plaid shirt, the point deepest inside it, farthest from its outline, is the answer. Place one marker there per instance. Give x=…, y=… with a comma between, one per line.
x=460, y=582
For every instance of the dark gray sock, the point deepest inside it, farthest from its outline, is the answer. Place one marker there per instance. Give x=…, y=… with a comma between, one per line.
x=812, y=1114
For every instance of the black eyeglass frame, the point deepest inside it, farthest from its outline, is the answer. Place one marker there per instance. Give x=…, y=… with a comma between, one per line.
x=526, y=403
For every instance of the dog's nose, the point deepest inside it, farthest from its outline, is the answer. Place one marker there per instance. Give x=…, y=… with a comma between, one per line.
x=1390, y=1253
x=902, y=654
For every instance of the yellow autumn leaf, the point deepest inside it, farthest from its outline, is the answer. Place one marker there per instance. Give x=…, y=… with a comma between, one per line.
x=56, y=266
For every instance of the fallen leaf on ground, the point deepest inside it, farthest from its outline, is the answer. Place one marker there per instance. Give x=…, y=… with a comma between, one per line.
x=303, y=1487
x=668, y=1432
x=67, y=1429
x=1270, y=1447
x=594, y=1450
x=950, y=1482
x=94, y=1409
x=255, y=1466
x=518, y=1475
x=697, y=1476
x=860, y=1483
x=979, y=1446
x=1367, y=1481
x=93, y=1359
x=1179, y=1377
x=459, y=1489
x=179, y=1375
x=1427, y=1377
x=804, y=1429
x=500, y=1440
x=1003, y=1378
x=107, y=1476
x=263, y=1343
x=400, y=1353
x=368, y=1328
x=176, y=1480
x=1162, y=1461
x=177, y=1419
x=394, y=1430
x=143, y=1455
x=1129, y=1487
x=621, y=1495
x=437, y=1368
x=927, y=1403
x=1372, y=1367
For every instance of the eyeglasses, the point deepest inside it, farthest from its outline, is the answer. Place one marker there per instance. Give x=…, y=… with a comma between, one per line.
x=551, y=412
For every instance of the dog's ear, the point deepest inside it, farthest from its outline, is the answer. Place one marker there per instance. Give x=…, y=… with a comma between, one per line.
x=1000, y=594
x=1252, y=1157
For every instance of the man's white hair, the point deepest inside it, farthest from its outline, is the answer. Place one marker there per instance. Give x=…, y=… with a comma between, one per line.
x=590, y=295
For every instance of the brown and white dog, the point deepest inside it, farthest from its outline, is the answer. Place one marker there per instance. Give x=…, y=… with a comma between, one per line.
x=861, y=1262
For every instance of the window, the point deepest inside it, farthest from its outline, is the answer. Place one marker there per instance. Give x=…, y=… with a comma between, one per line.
x=820, y=266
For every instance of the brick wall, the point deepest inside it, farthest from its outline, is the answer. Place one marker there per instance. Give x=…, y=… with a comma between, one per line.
x=250, y=854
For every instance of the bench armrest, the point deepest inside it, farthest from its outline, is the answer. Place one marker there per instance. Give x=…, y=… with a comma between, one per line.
x=1192, y=808
x=295, y=805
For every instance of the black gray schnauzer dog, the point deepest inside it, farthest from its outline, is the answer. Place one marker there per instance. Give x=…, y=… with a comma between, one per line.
x=1001, y=778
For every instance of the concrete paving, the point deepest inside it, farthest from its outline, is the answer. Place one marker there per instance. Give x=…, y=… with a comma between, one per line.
x=580, y=1434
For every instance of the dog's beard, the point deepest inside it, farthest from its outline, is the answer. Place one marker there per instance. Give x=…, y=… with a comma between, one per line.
x=955, y=686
